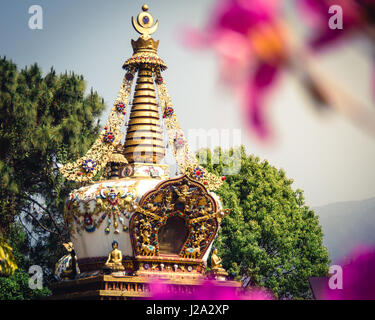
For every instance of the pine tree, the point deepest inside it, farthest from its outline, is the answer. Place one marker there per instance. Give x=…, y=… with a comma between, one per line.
x=45, y=121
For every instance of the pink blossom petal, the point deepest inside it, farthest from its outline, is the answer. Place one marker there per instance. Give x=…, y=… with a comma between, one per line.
x=241, y=16
x=258, y=86
x=248, y=40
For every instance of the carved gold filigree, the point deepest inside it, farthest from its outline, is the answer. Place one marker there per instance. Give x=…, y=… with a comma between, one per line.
x=149, y=59
x=182, y=197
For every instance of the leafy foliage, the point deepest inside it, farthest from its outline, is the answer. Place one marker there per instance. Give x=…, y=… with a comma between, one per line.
x=271, y=238
x=16, y=285
x=45, y=121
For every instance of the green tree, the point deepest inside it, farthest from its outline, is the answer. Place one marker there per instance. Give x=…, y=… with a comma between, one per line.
x=45, y=120
x=271, y=238
x=15, y=286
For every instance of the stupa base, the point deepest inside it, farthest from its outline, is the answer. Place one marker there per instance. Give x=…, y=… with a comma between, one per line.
x=111, y=287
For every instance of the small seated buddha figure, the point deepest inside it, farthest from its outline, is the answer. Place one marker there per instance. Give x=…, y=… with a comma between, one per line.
x=114, y=261
x=216, y=266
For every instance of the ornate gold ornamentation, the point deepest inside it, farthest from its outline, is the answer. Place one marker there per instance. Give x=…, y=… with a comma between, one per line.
x=144, y=118
x=145, y=23
x=181, y=197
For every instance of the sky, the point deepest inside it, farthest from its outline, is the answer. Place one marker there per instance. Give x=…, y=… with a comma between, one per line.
x=327, y=156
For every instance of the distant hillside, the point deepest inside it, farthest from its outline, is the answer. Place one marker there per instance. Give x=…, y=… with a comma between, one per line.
x=347, y=224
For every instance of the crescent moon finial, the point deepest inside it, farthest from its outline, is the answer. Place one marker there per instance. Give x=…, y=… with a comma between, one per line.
x=144, y=24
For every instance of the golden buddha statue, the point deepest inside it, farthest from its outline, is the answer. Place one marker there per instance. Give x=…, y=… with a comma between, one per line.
x=216, y=266
x=114, y=261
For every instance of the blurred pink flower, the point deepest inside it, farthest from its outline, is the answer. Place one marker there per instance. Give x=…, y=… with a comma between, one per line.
x=207, y=290
x=358, y=20
x=358, y=274
x=356, y=16
x=248, y=38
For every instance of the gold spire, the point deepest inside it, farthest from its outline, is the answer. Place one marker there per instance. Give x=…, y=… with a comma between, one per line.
x=144, y=140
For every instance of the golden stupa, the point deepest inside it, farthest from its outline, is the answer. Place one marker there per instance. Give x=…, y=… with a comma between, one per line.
x=130, y=222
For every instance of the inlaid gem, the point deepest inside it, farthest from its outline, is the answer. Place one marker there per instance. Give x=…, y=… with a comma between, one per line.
x=146, y=19
x=89, y=165
x=120, y=107
x=109, y=137
x=129, y=76
x=198, y=173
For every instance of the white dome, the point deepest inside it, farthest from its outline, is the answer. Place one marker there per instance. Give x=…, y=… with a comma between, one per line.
x=92, y=241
